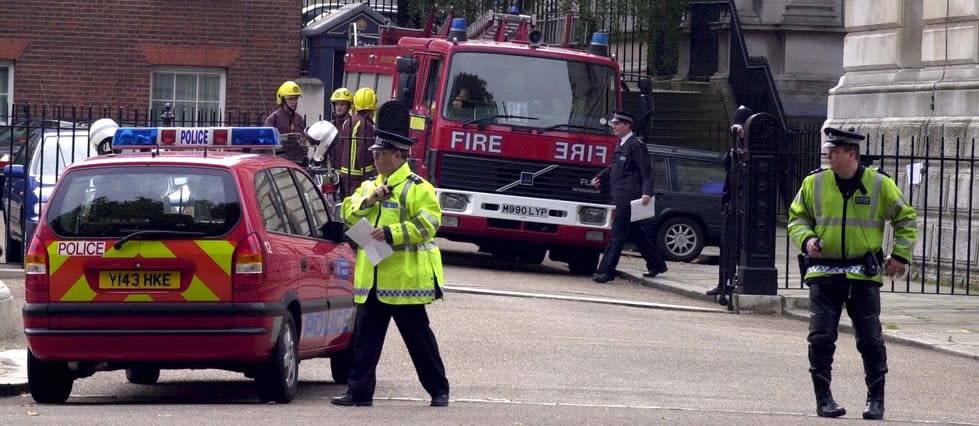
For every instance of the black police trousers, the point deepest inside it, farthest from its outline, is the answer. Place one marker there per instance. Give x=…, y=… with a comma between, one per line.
x=624, y=229
x=827, y=297
x=370, y=328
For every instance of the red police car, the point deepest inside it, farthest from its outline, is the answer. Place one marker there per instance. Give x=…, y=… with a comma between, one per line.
x=188, y=253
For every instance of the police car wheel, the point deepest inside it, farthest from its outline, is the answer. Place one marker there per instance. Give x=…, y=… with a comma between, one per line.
x=143, y=376
x=680, y=239
x=278, y=376
x=340, y=365
x=50, y=381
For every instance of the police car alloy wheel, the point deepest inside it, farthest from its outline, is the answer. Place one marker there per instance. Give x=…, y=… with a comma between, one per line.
x=278, y=376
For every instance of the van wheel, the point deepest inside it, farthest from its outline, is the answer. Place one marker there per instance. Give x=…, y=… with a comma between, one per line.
x=340, y=365
x=584, y=262
x=50, y=381
x=680, y=239
x=278, y=377
x=143, y=376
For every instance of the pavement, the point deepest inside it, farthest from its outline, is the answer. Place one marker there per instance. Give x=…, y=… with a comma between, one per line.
x=941, y=322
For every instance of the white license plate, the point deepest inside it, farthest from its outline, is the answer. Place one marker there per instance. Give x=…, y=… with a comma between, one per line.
x=523, y=210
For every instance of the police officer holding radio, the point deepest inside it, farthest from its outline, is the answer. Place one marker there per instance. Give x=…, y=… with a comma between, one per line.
x=837, y=219
x=405, y=213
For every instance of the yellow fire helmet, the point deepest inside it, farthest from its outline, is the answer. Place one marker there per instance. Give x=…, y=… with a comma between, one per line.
x=365, y=99
x=342, y=95
x=289, y=88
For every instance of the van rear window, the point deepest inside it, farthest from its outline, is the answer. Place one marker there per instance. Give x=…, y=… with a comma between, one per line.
x=113, y=202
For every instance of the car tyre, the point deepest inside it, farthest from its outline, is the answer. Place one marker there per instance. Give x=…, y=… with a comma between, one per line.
x=341, y=363
x=278, y=377
x=50, y=381
x=680, y=239
x=584, y=262
x=143, y=375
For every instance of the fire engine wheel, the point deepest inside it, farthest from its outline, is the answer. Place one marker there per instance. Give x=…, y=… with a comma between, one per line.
x=531, y=255
x=680, y=239
x=143, y=376
x=50, y=381
x=340, y=365
x=584, y=262
x=278, y=377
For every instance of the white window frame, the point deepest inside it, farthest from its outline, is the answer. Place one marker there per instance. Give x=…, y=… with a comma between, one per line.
x=6, y=118
x=222, y=73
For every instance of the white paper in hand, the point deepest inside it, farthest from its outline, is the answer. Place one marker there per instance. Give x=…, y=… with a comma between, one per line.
x=640, y=212
x=376, y=250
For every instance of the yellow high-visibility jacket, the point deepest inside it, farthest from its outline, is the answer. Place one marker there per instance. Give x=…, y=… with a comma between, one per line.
x=851, y=227
x=410, y=217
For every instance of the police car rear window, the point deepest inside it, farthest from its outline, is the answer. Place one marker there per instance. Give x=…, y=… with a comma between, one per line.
x=117, y=201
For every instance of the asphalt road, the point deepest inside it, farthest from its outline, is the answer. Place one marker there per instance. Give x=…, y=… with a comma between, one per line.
x=518, y=360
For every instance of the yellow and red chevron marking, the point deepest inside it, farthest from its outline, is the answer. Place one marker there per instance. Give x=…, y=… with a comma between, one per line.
x=210, y=282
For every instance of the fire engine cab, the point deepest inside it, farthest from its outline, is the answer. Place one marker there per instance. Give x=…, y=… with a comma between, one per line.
x=511, y=132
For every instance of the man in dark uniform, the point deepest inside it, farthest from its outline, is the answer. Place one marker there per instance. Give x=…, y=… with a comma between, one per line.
x=630, y=177
x=729, y=244
x=837, y=219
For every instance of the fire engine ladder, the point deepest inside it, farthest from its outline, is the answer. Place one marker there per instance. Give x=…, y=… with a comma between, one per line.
x=501, y=27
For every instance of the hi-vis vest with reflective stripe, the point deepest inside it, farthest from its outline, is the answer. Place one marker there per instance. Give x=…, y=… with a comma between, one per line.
x=412, y=216
x=849, y=228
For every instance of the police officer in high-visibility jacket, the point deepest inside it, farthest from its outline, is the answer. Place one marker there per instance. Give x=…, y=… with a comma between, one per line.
x=404, y=211
x=838, y=219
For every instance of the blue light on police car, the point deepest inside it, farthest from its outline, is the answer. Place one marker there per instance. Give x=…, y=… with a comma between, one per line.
x=254, y=136
x=134, y=137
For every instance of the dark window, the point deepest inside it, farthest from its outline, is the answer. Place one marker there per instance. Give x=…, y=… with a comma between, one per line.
x=291, y=198
x=314, y=200
x=661, y=179
x=703, y=177
x=268, y=201
x=113, y=202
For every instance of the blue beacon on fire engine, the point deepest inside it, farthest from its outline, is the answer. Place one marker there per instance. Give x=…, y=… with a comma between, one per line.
x=196, y=137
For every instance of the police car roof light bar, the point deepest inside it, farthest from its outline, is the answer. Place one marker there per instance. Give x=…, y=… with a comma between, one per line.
x=141, y=138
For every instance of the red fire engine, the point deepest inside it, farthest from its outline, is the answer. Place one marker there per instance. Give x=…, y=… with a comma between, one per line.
x=511, y=132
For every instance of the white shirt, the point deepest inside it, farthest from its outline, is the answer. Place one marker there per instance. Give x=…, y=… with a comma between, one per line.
x=625, y=138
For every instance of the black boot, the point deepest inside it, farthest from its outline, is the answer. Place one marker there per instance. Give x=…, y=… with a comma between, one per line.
x=875, y=398
x=825, y=405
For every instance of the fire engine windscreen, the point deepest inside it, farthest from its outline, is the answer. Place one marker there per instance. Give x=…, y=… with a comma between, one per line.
x=544, y=93
x=117, y=201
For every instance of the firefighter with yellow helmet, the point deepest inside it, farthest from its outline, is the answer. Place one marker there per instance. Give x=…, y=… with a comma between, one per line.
x=354, y=160
x=288, y=122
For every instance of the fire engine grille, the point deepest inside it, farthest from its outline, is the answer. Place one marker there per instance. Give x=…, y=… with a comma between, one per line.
x=521, y=178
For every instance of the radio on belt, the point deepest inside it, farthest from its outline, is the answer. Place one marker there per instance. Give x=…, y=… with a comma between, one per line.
x=196, y=138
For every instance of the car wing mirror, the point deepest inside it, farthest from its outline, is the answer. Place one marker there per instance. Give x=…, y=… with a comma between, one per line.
x=332, y=231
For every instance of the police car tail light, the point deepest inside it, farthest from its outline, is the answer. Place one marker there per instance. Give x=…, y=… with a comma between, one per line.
x=36, y=267
x=248, y=271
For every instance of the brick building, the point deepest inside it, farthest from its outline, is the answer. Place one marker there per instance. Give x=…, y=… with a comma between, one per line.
x=202, y=56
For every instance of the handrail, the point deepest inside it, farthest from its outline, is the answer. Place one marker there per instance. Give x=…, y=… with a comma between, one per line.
x=739, y=54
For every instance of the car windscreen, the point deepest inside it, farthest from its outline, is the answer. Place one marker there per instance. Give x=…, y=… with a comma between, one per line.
x=559, y=94
x=56, y=153
x=113, y=202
